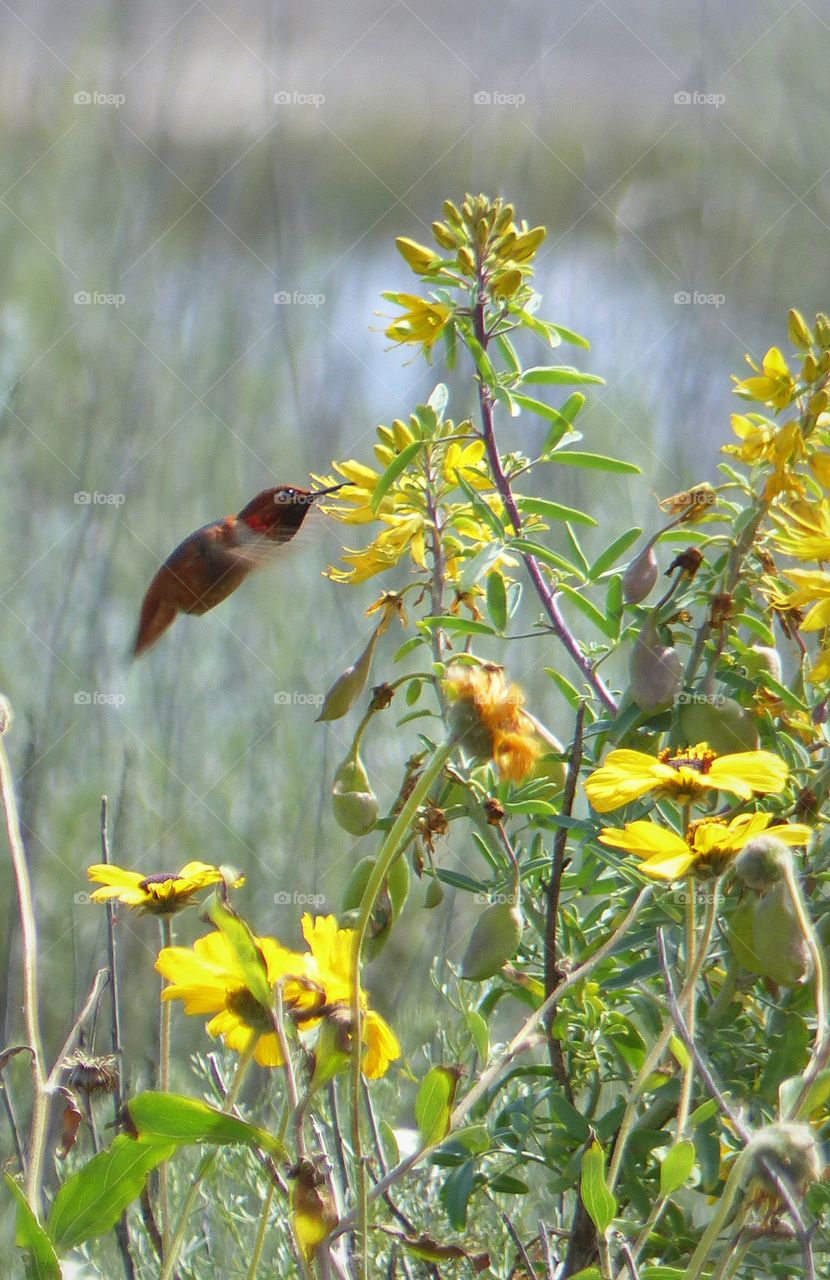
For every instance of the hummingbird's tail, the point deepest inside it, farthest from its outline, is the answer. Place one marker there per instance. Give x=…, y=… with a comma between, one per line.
x=157, y=613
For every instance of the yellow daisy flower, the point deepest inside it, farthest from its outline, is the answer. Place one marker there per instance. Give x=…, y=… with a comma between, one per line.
x=489, y=720
x=160, y=894
x=708, y=848
x=208, y=978
x=683, y=775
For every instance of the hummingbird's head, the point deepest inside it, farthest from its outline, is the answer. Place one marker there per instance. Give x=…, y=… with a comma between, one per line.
x=278, y=513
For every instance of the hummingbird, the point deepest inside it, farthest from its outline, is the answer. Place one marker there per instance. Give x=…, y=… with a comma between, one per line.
x=212, y=562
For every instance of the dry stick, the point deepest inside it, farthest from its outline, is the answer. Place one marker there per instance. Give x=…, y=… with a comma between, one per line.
x=782, y=1189
x=122, y=1230
x=31, y=1009
x=558, y=623
x=522, y=1041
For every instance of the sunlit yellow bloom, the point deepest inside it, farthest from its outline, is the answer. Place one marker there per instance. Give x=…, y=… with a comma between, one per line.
x=775, y=384
x=162, y=893
x=813, y=588
x=708, y=848
x=208, y=978
x=804, y=530
x=466, y=460
x=422, y=321
x=781, y=447
x=684, y=775
x=489, y=720
x=403, y=535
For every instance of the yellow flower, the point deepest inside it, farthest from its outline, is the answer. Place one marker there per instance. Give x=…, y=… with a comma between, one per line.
x=781, y=447
x=421, y=323
x=805, y=530
x=208, y=978
x=466, y=460
x=160, y=894
x=813, y=588
x=708, y=848
x=683, y=775
x=488, y=718
x=775, y=384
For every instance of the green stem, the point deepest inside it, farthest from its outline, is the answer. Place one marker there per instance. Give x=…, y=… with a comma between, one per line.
x=31, y=1005
x=691, y=938
x=662, y=1040
x=205, y=1165
x=389, y=850
x=821, y=1046
x=262, y=1228
x=710, y=1235
x=165, y=1024
x=733, y=1251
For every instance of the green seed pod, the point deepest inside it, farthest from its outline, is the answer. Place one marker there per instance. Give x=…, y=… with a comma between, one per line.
x=434, y=894
x=769, y=660
x=354, y=802
x=722, y=722
x=790, y=1150
x=494, y=940
x=780, y=949
x=397, y=885
x=655, y=671
x=640, y=576
x=348, y=686
x=762, y=862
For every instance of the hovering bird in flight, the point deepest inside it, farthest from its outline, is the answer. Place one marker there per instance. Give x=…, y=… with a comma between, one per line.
x=212, y=562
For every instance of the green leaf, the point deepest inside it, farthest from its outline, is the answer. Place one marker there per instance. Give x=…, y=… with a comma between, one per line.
x=483, y=362
x=458, y=626
x=542, y=410
x=484, y=513
x=92, y=1200
x=169, y=1117
x=676, y=1166
x=395, y=468
x=246, y=950
x=560, y=375
x=568, y=690
x=568, y=335
x=553, y=510
x=604, y=624
x=528, y=548
x=508, y=1185
x=597, y=1198
x=41, y=1261
x=612, y=553
x=438, y=400
x=479, y=1030
x=588, y=1273
x=593, y=462
x=816, y=1096
x=497, y=600
x=433, y=1105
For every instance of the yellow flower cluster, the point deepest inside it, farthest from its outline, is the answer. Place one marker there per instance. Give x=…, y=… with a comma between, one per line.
x=316, y=985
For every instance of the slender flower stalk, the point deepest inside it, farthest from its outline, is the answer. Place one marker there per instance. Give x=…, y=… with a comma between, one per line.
x=31, y=1004
x=165, y=1025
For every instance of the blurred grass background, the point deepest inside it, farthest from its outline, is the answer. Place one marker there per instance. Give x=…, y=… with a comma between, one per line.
x=196, y=199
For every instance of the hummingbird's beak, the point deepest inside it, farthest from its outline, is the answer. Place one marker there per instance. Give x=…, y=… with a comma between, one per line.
x=320, y=493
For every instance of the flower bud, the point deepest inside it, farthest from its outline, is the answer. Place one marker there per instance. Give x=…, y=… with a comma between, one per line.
x=762, y=862
x=417, y=256
x=354, y=802
x=505, y=283
x=799, y=332
x=444, y=237
x=527, y=244
x=640, y=576
x=494, y=940
x=655, y=671
x=791, y=1151
x=722, y=722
